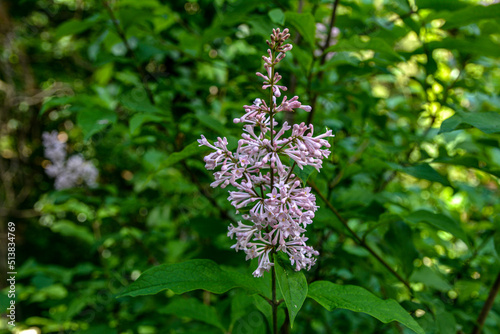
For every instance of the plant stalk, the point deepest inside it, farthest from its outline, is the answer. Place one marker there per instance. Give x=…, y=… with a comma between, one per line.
x=274, y=301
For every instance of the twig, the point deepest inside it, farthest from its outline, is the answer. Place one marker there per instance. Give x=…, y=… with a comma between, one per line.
x=487, y=306
x=358, y=240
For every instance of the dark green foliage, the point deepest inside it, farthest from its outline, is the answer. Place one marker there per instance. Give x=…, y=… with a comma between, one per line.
x=409, y=214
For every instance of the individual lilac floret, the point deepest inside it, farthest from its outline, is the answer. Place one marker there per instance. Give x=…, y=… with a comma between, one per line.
x=67, y=173
x=278, y=208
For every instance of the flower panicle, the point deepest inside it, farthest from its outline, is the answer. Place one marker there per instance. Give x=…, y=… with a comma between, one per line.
x=276, y=206
x=68, y=172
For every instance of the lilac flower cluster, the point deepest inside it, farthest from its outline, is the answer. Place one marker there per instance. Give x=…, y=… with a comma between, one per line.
x=275, y=204
x=322, y=35
x=67, y=173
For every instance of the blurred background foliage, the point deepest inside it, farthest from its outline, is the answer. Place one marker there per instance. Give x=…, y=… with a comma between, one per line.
x=409, y=198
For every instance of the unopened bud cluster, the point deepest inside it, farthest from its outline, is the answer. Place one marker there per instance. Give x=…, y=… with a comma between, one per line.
x=277, y=207
x=67, y=173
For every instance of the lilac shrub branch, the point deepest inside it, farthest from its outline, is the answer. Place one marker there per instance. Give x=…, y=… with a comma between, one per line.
x=276, y=207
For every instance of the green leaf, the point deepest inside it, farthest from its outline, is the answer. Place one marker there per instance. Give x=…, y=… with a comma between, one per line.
x=399, y=238
x=357, y=299
x=210, y=122
x=431, y=279
x=303, y=57
x=188, y=276
x=496, y=243
x=446, y=323
x=277, y=16
x=139, y=119
x=303, y=173
x=188, y=151
x=375, y=44
x=488, y=122
x=72, y=27
x=481, y=46
x=137, y=100
x=471, y=14
x=441, y=5
x=439, y=221
x=69, y=229
x=241, y=304
x=305, y=25
x=265, y=308
x=245, y=317
x=293, y=286
x=194, y=309
x=468, y=161
x=94, y=120
x=424, y=171
x=55, y=102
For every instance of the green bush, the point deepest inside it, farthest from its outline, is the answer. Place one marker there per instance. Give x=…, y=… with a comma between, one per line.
x=409, y=199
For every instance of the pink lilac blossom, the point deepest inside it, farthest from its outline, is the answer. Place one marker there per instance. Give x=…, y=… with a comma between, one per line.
x=322, y=35
x=67, y=173
x=277, y=207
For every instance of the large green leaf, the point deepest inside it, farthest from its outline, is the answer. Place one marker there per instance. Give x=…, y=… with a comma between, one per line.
x=293, y=286
x=357, y=299
x=194, y=309
x=304, y=23
x=188, y=276
x=488, y=122
x=439, y=221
